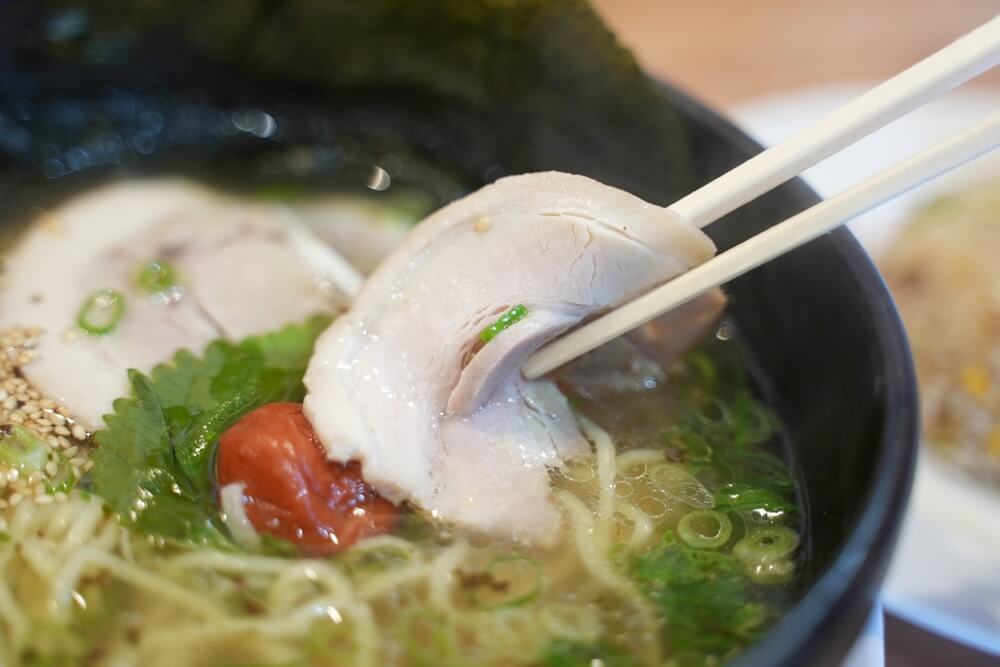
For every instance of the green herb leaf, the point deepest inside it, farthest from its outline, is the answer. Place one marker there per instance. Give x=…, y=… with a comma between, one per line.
x=710, y=606
x=758, y=468
x=508, y=319
x=743, y=498
x=153, y=461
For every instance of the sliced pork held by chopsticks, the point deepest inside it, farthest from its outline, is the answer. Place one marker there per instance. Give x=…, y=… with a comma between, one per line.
x=419, y=381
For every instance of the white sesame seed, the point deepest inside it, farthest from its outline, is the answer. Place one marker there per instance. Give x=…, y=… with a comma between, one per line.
x=44, y=499
x=52, y=468
x=71, y=451
x=15, y=499
x=79, y=432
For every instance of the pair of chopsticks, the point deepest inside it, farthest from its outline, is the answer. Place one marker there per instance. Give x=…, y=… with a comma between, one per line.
x=953, y=65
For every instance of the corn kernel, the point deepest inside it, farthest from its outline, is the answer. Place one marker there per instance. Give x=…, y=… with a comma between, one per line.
x=975, y=381
x=993, y=444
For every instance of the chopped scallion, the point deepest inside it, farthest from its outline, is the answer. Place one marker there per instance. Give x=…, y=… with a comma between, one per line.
x=23, y=450
x=156, y=275
x=767, y=545
x=513, y=580
x=508, y=319
x=705, y=529
x=387, y=557
x=777, y=572
x=428, y=639
x=101, y=312
x=63, y=481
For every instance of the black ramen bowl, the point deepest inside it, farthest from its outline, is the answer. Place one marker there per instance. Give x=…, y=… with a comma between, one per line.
x=447, y=96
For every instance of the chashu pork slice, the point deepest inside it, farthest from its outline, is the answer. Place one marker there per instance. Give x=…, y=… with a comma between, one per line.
x=403, y=383
x=241, y=270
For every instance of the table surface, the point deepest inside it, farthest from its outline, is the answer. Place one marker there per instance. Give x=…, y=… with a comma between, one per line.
x=727, y=52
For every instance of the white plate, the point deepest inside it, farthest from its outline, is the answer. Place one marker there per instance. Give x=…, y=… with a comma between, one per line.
x=945, y=575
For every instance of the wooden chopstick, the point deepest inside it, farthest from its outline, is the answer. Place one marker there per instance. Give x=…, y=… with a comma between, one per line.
x=770, y=243
x=963, y=59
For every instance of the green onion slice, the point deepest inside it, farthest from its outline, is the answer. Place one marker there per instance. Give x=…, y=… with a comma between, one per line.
x=64, y=480
x=705, y=529
x=508, y=319
x=154, y=276
x=382, y=558
x=101, y=312
x=766, y=545
x=428, y=639
x=751, y=422
x=713, y=412
x=519, y=580
x=24, y=450
x=778, y=572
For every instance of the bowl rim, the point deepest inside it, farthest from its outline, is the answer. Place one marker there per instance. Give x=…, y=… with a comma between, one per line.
x=819, y=628
x=822, y=625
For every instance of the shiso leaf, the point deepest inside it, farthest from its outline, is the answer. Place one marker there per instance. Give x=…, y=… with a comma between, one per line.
x=710, y=607
x=153, y=463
